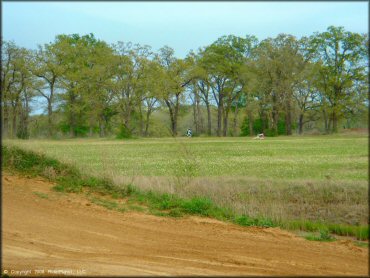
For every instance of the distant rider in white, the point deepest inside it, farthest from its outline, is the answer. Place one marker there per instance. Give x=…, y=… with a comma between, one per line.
x=189, y=133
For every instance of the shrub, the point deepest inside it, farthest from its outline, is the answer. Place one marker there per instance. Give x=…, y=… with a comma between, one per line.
x=324, y=236
x=123, y=133
x=79, y=131
x=197, y=205
x=257, y=127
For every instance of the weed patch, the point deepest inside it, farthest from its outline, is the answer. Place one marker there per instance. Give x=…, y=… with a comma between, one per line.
x=324, y=236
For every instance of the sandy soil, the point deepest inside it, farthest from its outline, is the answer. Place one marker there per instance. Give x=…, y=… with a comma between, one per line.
x=66, y=234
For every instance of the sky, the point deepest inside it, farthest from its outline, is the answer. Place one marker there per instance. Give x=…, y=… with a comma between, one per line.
x=180, y=25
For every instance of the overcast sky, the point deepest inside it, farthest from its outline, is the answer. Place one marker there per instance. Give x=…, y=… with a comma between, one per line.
x=181, y=25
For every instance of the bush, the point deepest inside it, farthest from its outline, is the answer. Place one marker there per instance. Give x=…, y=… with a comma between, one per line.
x=270, y=132
x=23, y=134
x=324, y=236
x=79, y=131
x=123, y=133
x=198, y=205
x=260, y=222
x=257, y=127
x=281, y=127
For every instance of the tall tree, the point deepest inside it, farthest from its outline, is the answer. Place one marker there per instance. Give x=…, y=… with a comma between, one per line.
x=130, y=71
x=222, y=61
x=48, y=66
x=75, y=50
x=10, y=53
x=307, y=95
x=175, y=76
x=344, y=58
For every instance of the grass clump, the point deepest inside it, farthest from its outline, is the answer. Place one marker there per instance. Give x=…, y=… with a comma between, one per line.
x=198, y=205
x=324, y=236
x=248, y=221
x=361, y=232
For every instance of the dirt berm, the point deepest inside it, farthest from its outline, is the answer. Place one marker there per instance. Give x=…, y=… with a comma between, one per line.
x=59, y=233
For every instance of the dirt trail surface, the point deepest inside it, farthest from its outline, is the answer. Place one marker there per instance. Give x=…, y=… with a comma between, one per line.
x=65, y=234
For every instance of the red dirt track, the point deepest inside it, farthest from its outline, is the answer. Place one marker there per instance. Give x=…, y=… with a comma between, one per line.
x=67, y=232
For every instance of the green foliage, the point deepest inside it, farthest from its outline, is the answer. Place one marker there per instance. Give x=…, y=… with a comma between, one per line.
x=244, y=130
x=176, y=212
x=343, y=74
x=247, y=221
x=79, y=131
x=28, y=162
x=124, y=133
x=101, y=84
x=269, y=132
x=257, y=127
x=23, y=134
x=360, y=232
x=324, y=236
x=281, y=127
x=198, y=205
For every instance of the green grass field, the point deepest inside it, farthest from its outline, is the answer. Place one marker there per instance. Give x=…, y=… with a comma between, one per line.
x=320, y=178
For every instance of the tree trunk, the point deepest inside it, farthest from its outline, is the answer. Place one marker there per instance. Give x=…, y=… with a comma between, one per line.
x=264, y=122
x=26, y=116
x=300, y=123
x=141, y=121
x=72, y=116
x=219, y=115
x=288, y=118
x=250, y=119
x=14, y=122
x=102, y=128
x=226, y=122
x=335, y=122
x=209, y=119
x=147, y=122
x=195, y=115
x=275, y=114
x=200, y=124
x=22, y=131
x=50, y=114
x=127, y=121
x=235, y=123
x=326, y=121
x=5, y=118
x=173, y=116
x=174, y=125
x=71, y=127
x=275, y=119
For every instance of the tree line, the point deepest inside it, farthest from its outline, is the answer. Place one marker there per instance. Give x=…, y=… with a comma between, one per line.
x=278, y=85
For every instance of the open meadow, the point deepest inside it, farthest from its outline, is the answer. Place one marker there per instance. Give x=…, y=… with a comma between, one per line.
x=322, y=179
